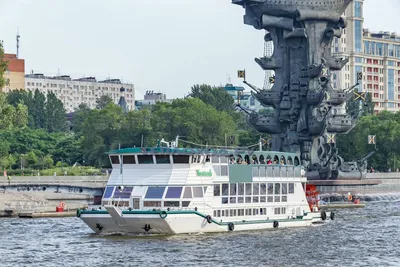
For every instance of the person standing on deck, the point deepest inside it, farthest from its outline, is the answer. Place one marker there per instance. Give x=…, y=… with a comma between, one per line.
x=9, y=179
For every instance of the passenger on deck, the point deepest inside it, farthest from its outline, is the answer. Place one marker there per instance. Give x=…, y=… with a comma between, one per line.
x=269, y=162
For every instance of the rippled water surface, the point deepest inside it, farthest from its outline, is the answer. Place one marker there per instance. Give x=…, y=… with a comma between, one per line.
x=359, y=237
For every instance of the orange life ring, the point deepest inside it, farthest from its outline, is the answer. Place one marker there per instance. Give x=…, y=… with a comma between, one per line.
x=62, y=204
x=350, y=197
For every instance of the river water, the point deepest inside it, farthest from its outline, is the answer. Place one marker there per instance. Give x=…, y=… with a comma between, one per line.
x=358, y=237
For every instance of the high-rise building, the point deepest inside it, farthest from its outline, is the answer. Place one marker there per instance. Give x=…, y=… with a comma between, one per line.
x=15, y=73
x=73, y=92
x=376, y=55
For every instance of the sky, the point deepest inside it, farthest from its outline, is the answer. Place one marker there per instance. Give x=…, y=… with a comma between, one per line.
x=159, y=45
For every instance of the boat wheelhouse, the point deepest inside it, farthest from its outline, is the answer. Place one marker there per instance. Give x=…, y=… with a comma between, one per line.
x=174, y=190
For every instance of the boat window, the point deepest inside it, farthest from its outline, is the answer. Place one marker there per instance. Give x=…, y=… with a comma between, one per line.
x=289, y=161
x=262, y=159
x=270, y=189
x=296, y=161
x=270, y=199
x=108, y=192
x=188, y=192
x=263, y=172
x=232, y=189
x=255, y=172
x=224, y=170
x=255, y=211
x=277, y=199
x=277, y=210
x=232, y=200
x=263, y=211
x=225, y=189
x=185, y=204
x=254, y=159
x=215, y=159
x=224, y=159
x=114, y=159
x=163, y=159
x=145, y=159
x=223, y=213
x=284, y=198
x=217, y=190
x=240, y=200
x=277, y=189
x=247, y=159
x=256, y=188
x=263, y=199
x=126, y=193
x=291, y=188
x=248, y=189
x=240, y=212
x=152, y=203
x=155, y=192
x=215, y=213
x=224, y=200
x=171, y=204
x=174, y=192
x=255, y=199
x=283, y=210
x=284, y=188
x=240, y=189
x=180, y=159
x=128, y=159
x=263, y=189
x=218, y=213
x=247, y=199
x=248, y=212
x=198, y=191
x=276, y=160
x=217, y=170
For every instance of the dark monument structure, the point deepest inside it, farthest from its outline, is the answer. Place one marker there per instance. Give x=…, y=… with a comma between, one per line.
x=308, y=112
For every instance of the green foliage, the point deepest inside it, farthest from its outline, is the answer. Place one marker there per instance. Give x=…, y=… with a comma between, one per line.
x=10, y=116
x=214, y=96
x=386, y=127
x=80, y=115
x=55, y=114
x=3, y=66
x=38, y=110
x=103, y=101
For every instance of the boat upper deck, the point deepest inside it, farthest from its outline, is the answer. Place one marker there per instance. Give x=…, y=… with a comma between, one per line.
x=167, y=155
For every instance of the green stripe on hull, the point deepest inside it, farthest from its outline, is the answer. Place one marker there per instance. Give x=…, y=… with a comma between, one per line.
x=299, y=218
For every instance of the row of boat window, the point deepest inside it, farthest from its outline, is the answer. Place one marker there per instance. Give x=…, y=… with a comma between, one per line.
x=262, y=199
x=160, y=192
x=185, y=159
x=166, y=204
x=264, y=160
x=247, y=212
x=253, y=189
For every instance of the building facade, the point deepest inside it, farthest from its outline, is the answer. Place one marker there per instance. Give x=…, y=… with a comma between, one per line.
x=15, y=73
x=73, y=92
x=246, y=99
x=376, y=55
x=150, y=99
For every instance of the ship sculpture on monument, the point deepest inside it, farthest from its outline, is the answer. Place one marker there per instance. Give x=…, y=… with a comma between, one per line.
x=308, y=111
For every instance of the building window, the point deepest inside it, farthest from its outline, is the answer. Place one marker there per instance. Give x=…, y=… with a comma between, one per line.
x=358, y=9
x=358, y=32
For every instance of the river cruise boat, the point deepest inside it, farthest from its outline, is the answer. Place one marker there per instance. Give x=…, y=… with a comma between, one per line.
x=167, y=190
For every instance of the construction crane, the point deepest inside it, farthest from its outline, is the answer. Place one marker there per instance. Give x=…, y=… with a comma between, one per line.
x=268, y=51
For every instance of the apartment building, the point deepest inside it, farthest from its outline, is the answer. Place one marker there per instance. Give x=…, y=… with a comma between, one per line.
x=15, y=73
x=73, y=92
x=375, y=54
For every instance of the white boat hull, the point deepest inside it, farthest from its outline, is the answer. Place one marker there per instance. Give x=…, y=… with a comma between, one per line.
x=184, y=223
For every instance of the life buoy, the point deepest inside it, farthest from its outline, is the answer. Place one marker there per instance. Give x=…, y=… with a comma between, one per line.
x=209, y=219
x=231, y=226
x=276, y=224
x=323, y=215
x=332, y=216
x=62, y=204
x=350, y=197
x=163, y=214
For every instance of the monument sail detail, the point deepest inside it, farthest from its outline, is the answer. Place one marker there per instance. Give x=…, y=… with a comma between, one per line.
x=308, y=111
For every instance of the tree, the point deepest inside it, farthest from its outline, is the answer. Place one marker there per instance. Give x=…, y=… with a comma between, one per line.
x=214, y=96
x=12, y=117
x=56, y=120
x=79, y=117
x=103, y=101
x=38, y=110
x=3, y=66
x=100, y=132
x=135, y=125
